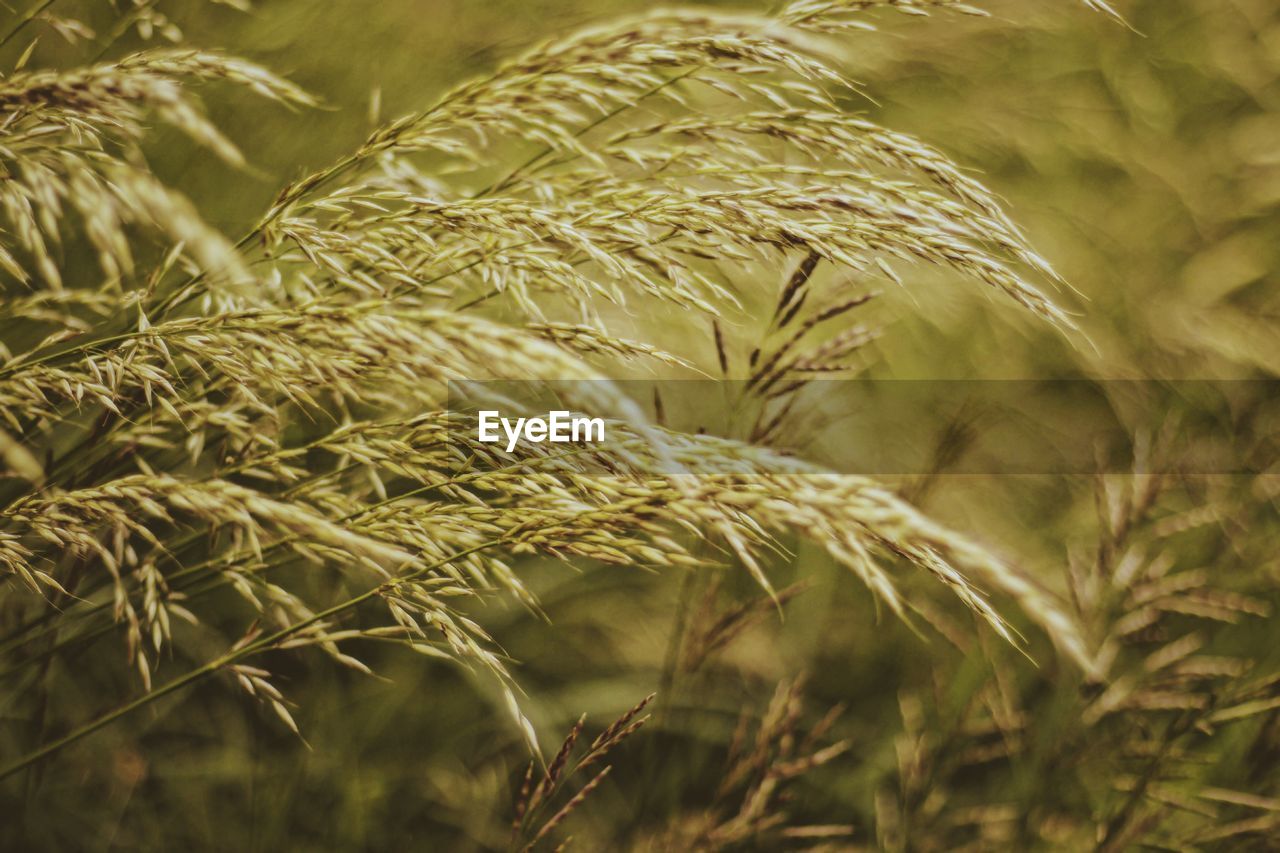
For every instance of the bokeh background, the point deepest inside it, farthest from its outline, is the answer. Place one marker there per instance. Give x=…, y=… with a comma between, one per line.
x=1143, y=161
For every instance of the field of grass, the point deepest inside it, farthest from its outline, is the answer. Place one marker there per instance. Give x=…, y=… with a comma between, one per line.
x=262, y=587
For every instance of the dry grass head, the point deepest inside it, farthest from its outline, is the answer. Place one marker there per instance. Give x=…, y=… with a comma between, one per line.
x=156, y=427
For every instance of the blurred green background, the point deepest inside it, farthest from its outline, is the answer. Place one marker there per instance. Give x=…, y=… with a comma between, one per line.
x=1144, y=163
